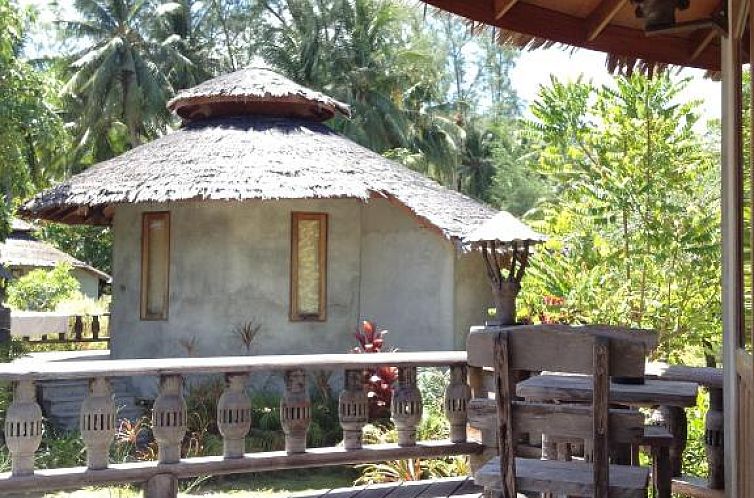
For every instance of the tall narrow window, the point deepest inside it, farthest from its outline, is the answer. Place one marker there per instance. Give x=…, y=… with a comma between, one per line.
x=308, y=266
x=155, y=265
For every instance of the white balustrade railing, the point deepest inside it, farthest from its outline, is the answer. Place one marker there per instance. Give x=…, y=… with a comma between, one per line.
x=23, y=425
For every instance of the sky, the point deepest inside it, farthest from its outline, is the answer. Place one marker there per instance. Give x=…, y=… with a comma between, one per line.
x=535, y=68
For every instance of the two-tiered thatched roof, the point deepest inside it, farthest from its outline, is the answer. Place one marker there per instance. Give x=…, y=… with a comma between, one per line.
x=254, y=156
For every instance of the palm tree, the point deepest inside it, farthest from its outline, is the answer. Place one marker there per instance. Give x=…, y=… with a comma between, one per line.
x=121, y=70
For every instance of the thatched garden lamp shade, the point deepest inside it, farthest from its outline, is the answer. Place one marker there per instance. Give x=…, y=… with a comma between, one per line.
x=505, y=244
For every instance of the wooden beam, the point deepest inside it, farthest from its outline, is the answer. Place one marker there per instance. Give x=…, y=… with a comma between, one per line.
x=502, y=7
x=601, y=16
x=700, y=41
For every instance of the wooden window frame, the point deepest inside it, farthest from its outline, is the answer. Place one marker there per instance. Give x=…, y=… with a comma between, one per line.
x=294, y=314
x=145, y=219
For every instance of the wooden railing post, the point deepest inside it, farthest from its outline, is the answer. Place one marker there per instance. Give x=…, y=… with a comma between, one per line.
x=23, y=428
x=713, y=437
x=97, y=423
x=353, y=409
x=95, y=327
x=169, y=419
x=673, y=418
x=406, y=406
x=78, y=327
x=457, y=396
x=295, y=411
x=234, y=415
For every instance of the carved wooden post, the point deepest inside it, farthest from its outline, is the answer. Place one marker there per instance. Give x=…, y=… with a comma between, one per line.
x=234, y=415
x=406, y=406
x=713, y=436
x=95, y=327
x=673, y=418
x=97, y=423
x=169, y=419
x=353, y=409
x=457, y=396
x=295, y=411
x=23, y=428
x=78, y=327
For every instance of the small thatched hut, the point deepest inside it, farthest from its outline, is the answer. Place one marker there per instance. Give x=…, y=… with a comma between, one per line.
x=22, y=252
x=256, y=212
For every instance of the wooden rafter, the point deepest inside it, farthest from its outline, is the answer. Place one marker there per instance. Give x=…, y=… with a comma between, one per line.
x=601, y=16
x=701, y=40
x=502, y=7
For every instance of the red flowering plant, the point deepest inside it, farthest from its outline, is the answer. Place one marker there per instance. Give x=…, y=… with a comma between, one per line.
x=553, y=311
x=379, y=380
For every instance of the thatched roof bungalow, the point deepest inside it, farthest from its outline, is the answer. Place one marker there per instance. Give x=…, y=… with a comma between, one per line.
x=22, y=252
x=254, y=211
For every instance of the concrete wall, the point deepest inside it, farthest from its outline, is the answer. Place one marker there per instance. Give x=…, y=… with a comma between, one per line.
x=230, y=263
x=406, y=279
x=473, y=295
x=88, y=282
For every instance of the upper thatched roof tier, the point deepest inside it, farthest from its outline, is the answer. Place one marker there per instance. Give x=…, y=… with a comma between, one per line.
x=254, y=91
x=506, y=228
x=252, y=157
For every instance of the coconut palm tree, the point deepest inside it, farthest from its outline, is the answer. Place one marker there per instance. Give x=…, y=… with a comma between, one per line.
x=120, y=70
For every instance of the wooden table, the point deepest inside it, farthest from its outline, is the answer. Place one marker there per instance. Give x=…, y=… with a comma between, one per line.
x=670, y=396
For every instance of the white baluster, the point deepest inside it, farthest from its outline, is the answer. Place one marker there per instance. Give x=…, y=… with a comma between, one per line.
x=406, y=406
x=457, y=396
x=97, y=423
x=23, y=428
x=169, y=419
x=234, y=415
x=353, y=409
x=295, y=411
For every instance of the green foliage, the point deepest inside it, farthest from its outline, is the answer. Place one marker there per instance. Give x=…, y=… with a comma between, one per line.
x=695, y=455
x=628, y=247
x=32, y=132
x=42, y=290
x=91, y=244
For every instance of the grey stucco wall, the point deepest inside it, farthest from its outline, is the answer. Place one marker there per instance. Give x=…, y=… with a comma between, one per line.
x=88, y=283
x=473, y=296
x=230, y=264
x=406, y=279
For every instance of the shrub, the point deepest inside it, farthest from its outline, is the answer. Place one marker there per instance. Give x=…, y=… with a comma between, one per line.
x=380, y=380
x=42, y=290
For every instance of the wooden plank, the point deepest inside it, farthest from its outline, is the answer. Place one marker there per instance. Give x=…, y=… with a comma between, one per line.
x=378, y=490
x=442, y=488
x=601, y=16
x=578, y=388
x=705, y=376
x=701, y=41
x=695, y=487
x=600, y=411
x=222, y=364
x=504, y=400
x=502, y=7
x=541, y=347
x=79, y=477
x=569, y=478
x=408, y=489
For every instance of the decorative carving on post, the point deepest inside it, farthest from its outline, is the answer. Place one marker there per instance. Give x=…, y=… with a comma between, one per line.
x=23, y=428
x=504, y=243
x=97, y=423
x=295, y=411
x=406, y=406
x=457, y=396
x=353, y=409
x=673, y=418
x=234, y=415
x=713, y=438
x=169, y=419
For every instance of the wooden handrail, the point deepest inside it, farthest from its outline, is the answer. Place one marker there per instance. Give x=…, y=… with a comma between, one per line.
x=69, y=370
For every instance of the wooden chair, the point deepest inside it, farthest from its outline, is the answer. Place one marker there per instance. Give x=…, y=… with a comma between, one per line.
x=533, y=349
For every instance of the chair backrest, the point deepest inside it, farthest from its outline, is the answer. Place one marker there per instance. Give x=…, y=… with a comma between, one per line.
x=562, y=350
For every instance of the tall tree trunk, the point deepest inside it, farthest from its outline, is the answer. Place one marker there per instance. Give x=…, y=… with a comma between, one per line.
x=131, y=122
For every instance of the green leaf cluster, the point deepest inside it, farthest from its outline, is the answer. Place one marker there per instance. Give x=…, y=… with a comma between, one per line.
x=42, y=290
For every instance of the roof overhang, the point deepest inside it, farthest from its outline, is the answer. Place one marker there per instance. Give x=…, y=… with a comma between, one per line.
x=609, y=26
